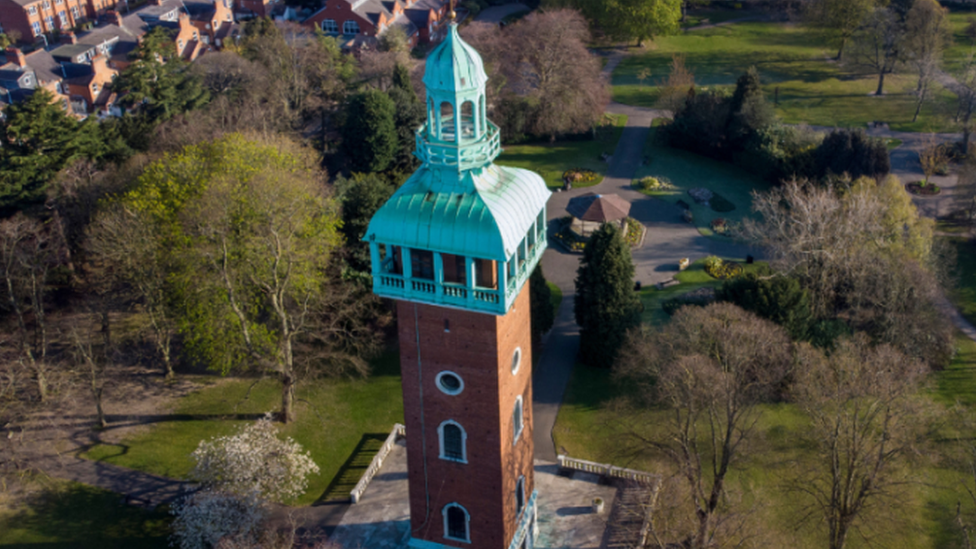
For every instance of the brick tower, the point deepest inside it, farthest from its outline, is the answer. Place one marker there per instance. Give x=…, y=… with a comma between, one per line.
x=455, y=247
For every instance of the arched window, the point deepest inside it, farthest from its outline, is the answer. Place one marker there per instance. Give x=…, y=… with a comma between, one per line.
x=467, y=120
x=456, y=521
x=329, y=25
x=516, y=360
x=350, y=27
x=447, y=121
x=519, y=497
x=454, y=441
x=517, y=419
x=482, y=116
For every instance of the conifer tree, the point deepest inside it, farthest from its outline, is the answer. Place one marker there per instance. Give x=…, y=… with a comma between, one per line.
x=408, y=116
x=606, y=305
x=369, y=135
x=540, y=295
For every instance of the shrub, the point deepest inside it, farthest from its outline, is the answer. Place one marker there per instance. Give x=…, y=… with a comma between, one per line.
x=851, y=151
x=720, y=204
x=580, y=175
x=473, y=8
x=777, y=298
x=719, y=225
x=634, y=230
x=651, y=183
x=716, y=268
x=696, y=298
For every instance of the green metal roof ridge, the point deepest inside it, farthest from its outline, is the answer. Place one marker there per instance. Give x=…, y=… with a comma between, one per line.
x=454, y=65
x=489, y=222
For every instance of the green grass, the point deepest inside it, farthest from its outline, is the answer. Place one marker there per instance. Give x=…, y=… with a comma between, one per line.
x=341, y=422
x=66, y=515
x=812, y=88
x=892, y=143
x=555, y=296
x=687, y=170
x=692, y=278
x=963, y=295
x=712, y=16
x=550, y=160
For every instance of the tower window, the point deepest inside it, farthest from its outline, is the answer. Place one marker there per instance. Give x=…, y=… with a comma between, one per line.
x=451, y=383
x=447, y=121
x=453, y=440
x=517, y=418
x=422, y=264
x=467, y=120
x=454, y=268
x=456, y=523
x=516, y=360
x=519, y=497
x=486, y=276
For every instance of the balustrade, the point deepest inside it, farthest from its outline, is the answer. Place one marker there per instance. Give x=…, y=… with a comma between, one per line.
x=374, y=466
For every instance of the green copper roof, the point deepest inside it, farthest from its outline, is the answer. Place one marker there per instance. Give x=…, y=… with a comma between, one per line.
x=454, y=66
x=488, y=222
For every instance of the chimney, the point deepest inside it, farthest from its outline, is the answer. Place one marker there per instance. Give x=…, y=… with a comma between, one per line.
x=69, y=38
x=15, y=56
x=114, y=17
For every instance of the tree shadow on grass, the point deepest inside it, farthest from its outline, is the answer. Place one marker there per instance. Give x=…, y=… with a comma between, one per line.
x=80, y=517
x=354, y=467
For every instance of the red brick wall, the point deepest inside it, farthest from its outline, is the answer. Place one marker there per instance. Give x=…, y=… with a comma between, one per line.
x=479, y=349
x=340, y=11
x=14, y=17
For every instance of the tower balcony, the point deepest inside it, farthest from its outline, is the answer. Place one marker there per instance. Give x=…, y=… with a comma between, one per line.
x=450, y=280
x=464, y=156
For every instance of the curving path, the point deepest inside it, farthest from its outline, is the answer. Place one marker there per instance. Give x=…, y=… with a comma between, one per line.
x=668, y=239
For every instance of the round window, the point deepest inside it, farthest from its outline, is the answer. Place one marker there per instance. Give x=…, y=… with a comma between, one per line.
x=516, y=360
x=450, y=383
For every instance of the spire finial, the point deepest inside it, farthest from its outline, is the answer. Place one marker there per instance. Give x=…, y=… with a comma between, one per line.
x=451, y=15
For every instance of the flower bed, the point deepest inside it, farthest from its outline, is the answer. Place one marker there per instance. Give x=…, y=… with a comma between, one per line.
x=651, y=183
x=920, y=189
x=580, y=175
x=634, y=231
x=717, y=268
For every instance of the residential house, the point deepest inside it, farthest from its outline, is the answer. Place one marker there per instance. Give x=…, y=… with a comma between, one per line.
x=32, y=19
x=352, y=19
x=90, y=86
x=250, y=9
x=213, y=19
x=22, y=74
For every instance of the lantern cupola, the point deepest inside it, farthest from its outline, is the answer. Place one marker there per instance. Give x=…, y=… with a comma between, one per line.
x=461, y=231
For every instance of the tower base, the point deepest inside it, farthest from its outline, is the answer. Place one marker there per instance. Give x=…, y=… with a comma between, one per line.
x=525, y=535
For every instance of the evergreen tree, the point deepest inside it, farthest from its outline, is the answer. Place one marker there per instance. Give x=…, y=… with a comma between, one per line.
x=408, y=116
x=749, y=112
x=360, y=196
x=369, y=135
x=541, y=298
x=37, y=140
x=777, y=298
x=157, y=80
x=606, y=305
x=851, y=151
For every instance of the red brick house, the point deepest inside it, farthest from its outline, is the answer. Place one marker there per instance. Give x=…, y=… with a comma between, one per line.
x=33, y=18
x=21, y=74
x=90, y=86
x=420, y=19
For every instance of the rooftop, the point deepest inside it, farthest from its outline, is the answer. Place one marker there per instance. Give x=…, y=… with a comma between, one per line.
x=381, y=520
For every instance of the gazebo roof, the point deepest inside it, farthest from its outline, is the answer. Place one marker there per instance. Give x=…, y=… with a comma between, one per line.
x=598, y=207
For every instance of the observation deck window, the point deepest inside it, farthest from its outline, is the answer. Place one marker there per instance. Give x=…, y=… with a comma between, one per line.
x=454, y=269
x=391, y=259
x=447, y=122
x=486, y=274
x=468, y=130
x=422, y=264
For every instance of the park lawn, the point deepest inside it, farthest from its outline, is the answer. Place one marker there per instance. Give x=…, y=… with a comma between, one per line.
x=687, y=170
x=692, y=278
x=962, y=47
x=341, y=422
x=813, y=89
x=68, y=515
x=550, y=160
x=712, y=16
x=593, y=424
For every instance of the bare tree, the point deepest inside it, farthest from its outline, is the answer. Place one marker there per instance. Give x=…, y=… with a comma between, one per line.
x=965, y=91
x=866, y=420
x=30, y=251
x=85, y=354
x=879, y=44
x=674, y=91
x=710, y=367
x=839, y=19
x=927, y=35
x=932, y=157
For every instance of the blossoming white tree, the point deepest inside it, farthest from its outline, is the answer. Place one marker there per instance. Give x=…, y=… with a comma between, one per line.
x=239, y=474
x=254, y=461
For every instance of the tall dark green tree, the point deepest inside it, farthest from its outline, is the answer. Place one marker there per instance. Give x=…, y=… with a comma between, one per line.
x=369, y=137
x=540, y=296
x=408, y=116
x=606, y=305
x=749, y=112
x=360, y=196
x=777, y=298
x=37, y=140
x=157, y=80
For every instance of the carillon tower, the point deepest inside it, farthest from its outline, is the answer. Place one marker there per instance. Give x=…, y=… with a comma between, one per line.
x=455, y=247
